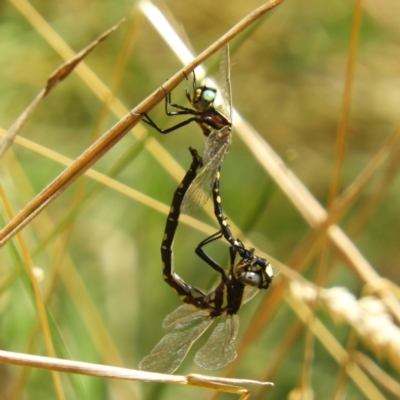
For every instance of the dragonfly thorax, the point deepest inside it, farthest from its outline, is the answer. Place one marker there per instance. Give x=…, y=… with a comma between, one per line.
x=204, y=97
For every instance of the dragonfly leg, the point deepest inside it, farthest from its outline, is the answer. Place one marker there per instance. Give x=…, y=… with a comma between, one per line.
x=205, y=257
x=185, y=110
x=149, y=121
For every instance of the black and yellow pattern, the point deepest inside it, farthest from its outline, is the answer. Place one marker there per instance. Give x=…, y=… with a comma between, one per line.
x=251, y=263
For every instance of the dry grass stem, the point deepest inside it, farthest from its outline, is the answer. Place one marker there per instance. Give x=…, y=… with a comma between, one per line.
x=392, y=385
x=112, y=183
x=41, y=309
x=228, y=385
x=342, y=133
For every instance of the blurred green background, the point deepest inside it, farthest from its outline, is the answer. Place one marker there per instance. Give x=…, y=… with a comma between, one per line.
x=288, y=77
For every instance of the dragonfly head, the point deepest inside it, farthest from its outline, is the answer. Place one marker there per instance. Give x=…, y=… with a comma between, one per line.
x=204, y=97
x=254, y=271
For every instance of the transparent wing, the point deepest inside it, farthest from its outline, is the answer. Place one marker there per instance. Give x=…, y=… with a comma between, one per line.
x=215, y=149
x=220, y=347
x=225, y=84
x=199, y=191
x=188, y=324
x=216, y=146
x=183, y=315
x=248, y=293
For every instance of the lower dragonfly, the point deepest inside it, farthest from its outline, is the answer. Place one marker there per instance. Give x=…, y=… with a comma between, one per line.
x=214, y=120
x=189, y=321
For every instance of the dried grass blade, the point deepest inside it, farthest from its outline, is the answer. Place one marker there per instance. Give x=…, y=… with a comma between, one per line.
x=41, y=307
x=105, y=371
x=57, y=76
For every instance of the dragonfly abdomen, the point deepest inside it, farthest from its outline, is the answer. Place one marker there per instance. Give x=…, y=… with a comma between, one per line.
x=226, y=298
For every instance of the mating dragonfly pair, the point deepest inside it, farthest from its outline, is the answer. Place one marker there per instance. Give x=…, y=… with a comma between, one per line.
x=236, y=285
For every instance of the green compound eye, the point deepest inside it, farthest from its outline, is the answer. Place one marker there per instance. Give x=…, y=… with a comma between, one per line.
x=209, y=95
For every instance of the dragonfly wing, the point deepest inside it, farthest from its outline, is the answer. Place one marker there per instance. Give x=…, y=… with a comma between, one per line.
x=171, y=350
x=216, y=146
x=220, y=347
x=183, y=315
x=199, y=191
x=215, y=149
x=248, y=293
x=225, y=84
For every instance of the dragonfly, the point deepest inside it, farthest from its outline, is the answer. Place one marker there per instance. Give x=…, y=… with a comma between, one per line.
x=214, y=120
x=189, y=321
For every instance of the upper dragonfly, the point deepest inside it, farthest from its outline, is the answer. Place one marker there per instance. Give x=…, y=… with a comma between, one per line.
x=215, y=120
x=236, y=286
